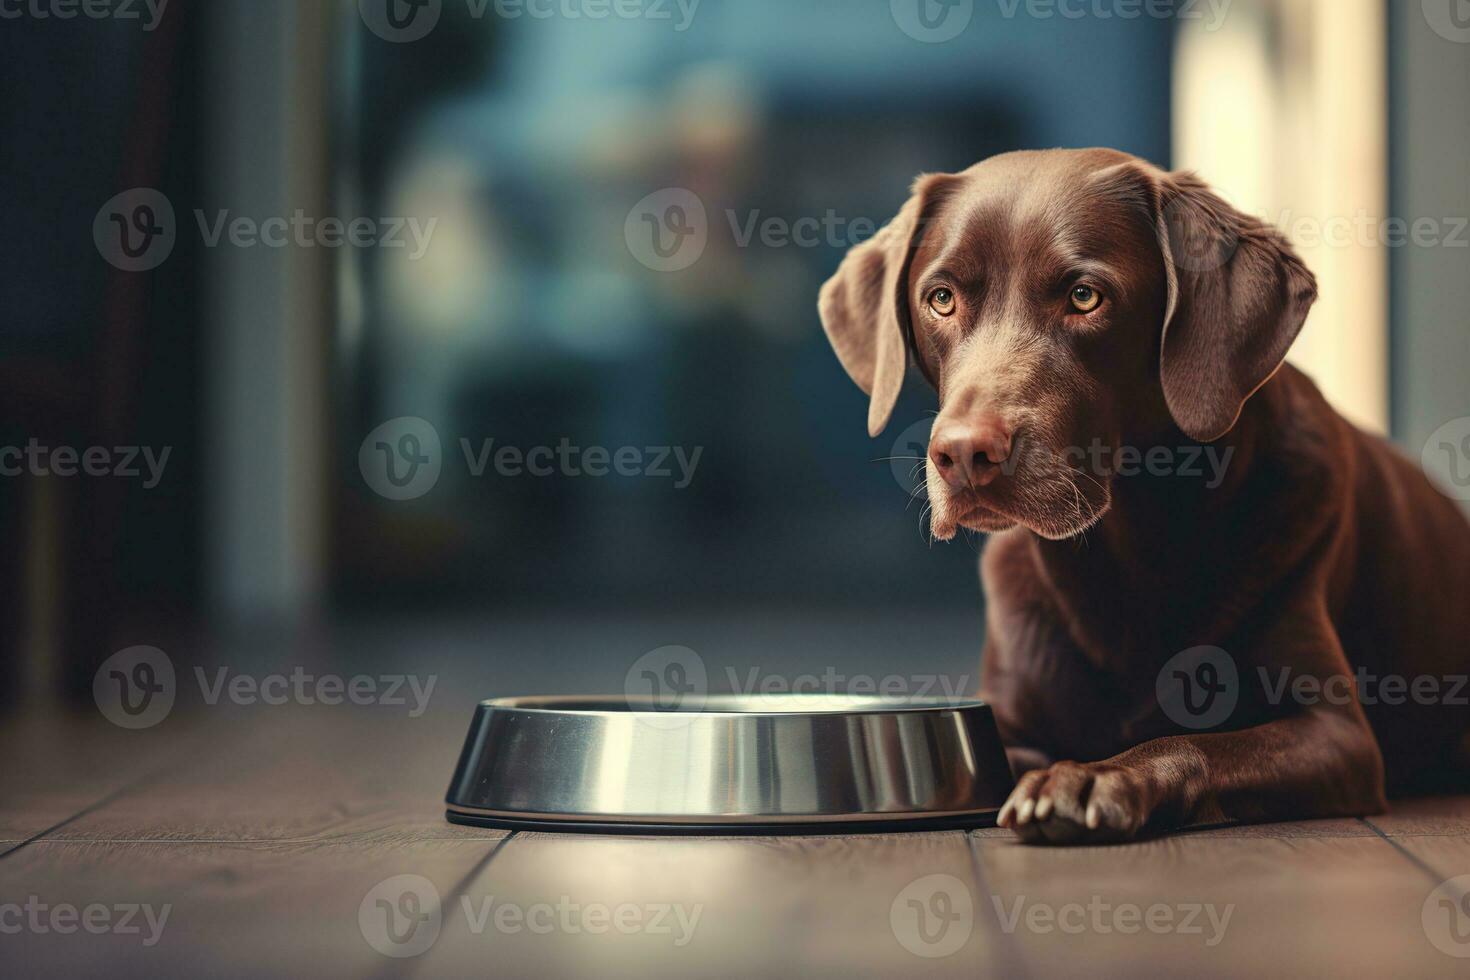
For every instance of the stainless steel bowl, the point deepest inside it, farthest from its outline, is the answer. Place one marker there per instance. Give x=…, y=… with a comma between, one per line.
x=789, y=763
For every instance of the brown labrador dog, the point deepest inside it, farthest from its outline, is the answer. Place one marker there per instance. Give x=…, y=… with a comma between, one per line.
x=1279, y=634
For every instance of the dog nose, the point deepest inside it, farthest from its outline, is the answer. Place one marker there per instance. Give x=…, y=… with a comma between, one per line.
x=970, y=454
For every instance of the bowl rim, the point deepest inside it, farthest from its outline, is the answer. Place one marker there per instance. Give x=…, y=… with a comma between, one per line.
x=797, y=705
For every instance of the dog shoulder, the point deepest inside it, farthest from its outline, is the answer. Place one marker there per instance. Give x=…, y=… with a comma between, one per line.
x=1008, y=566
x=1021, y=603
x=1306, y=459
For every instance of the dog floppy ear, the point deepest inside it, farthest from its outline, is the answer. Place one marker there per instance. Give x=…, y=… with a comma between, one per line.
x=865, y=307
x=1238, y=296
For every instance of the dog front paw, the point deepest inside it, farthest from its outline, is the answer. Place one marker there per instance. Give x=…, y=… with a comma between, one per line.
x=1077, y=803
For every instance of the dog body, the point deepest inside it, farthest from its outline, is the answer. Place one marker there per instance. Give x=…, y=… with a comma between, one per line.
x=1325, y=555
x=1096, y=328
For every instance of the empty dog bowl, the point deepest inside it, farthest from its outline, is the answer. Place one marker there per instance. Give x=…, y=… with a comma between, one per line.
x=751, y=765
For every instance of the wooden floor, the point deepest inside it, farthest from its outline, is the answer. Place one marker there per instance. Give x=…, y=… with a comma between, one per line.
x=274, y=838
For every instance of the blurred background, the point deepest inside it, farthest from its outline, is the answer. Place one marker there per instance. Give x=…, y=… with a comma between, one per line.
x=332, y=257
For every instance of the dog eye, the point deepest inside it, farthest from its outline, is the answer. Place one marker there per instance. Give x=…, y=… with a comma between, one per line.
x=941, y=301
x=1086, y=299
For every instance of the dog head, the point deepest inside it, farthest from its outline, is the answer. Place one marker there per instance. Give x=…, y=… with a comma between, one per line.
x=1062, y=302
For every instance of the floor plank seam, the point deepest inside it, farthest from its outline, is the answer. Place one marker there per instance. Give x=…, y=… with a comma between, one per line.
x=403, y=969
x=235, y=840
x=1014, y=955
x=90, y=808
x=180, y=760
x=1409, y=855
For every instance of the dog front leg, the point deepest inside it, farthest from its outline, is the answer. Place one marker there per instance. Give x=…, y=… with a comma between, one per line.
x=1317, y=764
x=1318, y=761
